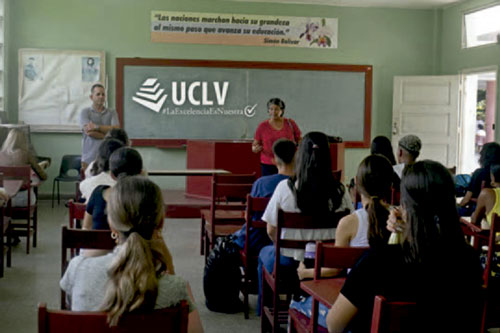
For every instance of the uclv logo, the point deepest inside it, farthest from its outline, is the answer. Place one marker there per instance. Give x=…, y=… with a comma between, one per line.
x=151, y=97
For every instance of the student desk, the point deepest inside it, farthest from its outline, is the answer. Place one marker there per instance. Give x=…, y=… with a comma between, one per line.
x=187, y=172
x=179, y=204
x=325, y=291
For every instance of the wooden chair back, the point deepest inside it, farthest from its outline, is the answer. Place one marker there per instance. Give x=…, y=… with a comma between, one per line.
x=255, y=207
x=76, y=239
x=173, y=319
x=23, y=173
x=474, y=235
x=328, y=255
x=231, y=188
x=393, y=316
x=76, y=213
x=227, y=207
x=493, y=247
x=274, y=313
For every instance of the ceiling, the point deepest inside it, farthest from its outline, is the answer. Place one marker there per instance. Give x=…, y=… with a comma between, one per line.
x=414, y=4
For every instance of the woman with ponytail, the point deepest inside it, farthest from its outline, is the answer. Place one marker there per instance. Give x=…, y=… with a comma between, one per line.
x=365, y=227
x=313, y=191
x=138, y=274
x=431, y=265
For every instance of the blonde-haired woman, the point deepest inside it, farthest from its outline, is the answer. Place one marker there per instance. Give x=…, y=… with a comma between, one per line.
x=138, y=274
x=15, y=151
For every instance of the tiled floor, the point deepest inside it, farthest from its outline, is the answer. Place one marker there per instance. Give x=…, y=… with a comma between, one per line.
x=34, y=278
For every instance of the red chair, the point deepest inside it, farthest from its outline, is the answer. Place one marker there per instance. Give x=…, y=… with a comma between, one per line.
x=30, y=212
x=5, y=232
x=330, y=256
x=249, y=259
x=275, y=311
x=491, y=310
x=173, y=319
x=474, y=235
x=76, y=239
x=227, y=208
x=76, y=213
x=393, y=316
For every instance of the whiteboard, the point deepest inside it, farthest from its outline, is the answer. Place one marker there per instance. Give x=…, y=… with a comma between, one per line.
x=54, y=86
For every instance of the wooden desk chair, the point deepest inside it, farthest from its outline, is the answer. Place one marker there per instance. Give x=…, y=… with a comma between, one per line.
x=474, y=235
x=227, y=208
x=5, y=231
x=30, y=212
x=329, y=256
x=274, y=311
x=76, y=213
x=173, y=319
x=249, y=259
x=491, y=310
x=393, y=316
x=76, y=239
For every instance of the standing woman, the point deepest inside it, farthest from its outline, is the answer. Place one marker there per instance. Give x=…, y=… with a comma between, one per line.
x=269, y=131
x=15, y=151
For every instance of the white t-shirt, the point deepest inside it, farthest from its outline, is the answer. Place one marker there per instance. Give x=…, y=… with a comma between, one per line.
x=284, y=199
x=88, y=185
x=398, y=169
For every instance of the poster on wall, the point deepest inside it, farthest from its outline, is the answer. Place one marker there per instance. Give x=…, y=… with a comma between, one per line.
x=240, y=29
x=54, y=86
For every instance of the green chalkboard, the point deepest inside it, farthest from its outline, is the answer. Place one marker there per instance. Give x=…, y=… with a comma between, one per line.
x=161, y=101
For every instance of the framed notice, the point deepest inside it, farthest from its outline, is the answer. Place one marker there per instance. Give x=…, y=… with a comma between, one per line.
x=54, y=86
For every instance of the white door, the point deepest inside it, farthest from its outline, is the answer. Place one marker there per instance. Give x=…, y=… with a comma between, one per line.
x=427, y=106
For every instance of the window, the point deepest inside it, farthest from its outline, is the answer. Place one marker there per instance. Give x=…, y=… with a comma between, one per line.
x=481, y=27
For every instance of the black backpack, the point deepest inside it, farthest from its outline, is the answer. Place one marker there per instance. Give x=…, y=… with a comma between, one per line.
x=222, y=277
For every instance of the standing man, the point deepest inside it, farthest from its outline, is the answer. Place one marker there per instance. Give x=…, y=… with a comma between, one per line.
x=95, y=122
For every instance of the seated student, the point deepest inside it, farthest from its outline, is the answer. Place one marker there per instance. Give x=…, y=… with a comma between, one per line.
x=115, y=133
x=423, y=267
x=100, y=171
x=284, y=152
x=490, y=154
x=312, y=191
x=137, y=275
x=380, y=145
x=15, y=151
x=408, y=150
x=365, y=227
x=123, y=162
x=488, y=202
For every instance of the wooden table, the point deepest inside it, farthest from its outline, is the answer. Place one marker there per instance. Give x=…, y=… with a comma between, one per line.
x=325, y=291
x=179, y=205
x=187, y=172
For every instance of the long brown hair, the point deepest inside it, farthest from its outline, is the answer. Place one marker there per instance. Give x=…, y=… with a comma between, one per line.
x=374, y=182
x=135, y=210
x=16, y=140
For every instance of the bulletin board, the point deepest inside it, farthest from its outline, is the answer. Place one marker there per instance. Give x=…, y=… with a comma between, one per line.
x=54, y=86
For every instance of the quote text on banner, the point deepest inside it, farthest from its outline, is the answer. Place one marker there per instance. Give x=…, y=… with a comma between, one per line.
x=238, y=29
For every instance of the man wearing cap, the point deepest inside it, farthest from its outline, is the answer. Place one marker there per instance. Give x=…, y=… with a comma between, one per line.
x=408, y=150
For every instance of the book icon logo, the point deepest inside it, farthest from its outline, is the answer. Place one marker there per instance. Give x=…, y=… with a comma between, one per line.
x=150, y=96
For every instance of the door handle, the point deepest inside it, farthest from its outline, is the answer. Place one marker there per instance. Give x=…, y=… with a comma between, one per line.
x=395, y=128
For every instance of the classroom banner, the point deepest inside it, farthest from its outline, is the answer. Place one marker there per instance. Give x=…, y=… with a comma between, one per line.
x=240, y=29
